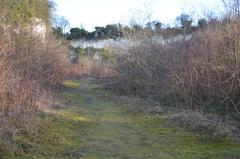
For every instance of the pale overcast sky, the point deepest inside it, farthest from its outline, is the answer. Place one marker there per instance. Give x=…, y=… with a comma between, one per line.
x=91, y=13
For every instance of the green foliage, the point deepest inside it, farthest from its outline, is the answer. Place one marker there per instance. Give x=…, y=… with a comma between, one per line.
x=58, y=32
x=79, y=51
x=90, y=51
x=202, y=23
x=107, y=55
x=21, y=12
x=77, y=33
x=110, y=31
x=113, y=30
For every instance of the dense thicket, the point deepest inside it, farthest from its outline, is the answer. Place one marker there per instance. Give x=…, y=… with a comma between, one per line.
x=33, y=64
x=199, y=70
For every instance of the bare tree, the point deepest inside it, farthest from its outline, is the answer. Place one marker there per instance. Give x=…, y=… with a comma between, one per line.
x=186, y=21
x=62, y=22
x=232, y=6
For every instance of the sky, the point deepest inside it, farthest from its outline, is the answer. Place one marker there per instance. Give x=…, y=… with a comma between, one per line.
x=91, y=13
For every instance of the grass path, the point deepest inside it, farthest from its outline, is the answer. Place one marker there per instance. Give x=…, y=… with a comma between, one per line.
x=92, y=127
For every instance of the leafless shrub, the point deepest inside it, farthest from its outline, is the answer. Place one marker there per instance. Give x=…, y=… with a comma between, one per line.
x=29, y=66
x=206, y=123
x=210, y=72
x=201, y=71
x=87, y=66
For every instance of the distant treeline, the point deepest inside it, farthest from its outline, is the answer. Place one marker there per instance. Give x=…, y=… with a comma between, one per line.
x=114, y=31
x=110, y=31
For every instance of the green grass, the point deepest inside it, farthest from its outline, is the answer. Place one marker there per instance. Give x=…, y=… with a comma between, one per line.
x=92, y=127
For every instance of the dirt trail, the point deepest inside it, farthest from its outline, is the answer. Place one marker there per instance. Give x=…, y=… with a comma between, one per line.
x=114, y=131
x=94, y=127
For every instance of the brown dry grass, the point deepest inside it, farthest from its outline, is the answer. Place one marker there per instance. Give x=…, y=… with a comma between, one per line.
x=89, y=67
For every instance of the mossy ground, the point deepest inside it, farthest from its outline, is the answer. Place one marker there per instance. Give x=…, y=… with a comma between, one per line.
x=94, y=127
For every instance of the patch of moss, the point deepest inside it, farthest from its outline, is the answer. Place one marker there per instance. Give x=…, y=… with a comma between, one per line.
x=71, y=84
x=93, y=127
